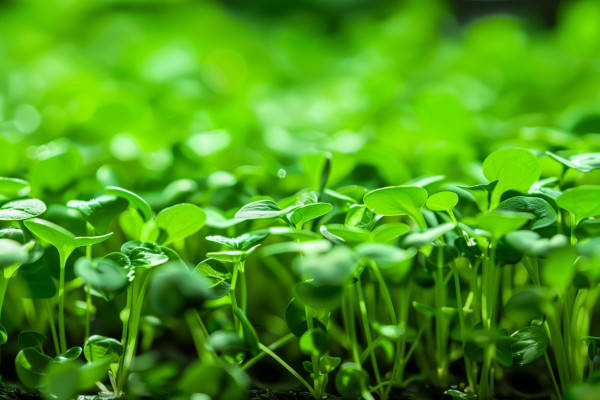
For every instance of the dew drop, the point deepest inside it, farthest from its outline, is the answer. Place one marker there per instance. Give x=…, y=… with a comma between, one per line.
x=281, y=173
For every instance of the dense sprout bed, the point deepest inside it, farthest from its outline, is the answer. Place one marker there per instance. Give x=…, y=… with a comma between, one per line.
x=355, y=199
x=450, y=286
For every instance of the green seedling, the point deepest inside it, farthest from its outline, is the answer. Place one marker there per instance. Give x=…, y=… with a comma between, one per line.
x=65, y=242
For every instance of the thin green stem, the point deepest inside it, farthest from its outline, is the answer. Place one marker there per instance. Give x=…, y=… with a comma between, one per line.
x=139, y=291
x=232, y=295
x=440, y=331
x=197, y=334
x=244, y=287
x=573, y=226
x=285, y=365
x=367, y=329
x=88, y=312
x=50, y=313
x=314, y=359
x=273, y=346
x=463, y=325
x=551, y=372
x=61, y=305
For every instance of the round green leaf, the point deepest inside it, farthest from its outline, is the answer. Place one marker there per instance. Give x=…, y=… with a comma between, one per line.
x=544, y=214
x=351, y=380
x=388, y=232
x=582, y=201
x=513, y=168
x=442, y=201
x=303, y=214
x=398, y=200
x=100, y=348
x=103, y=275
x=18, y=210
x=180, y=221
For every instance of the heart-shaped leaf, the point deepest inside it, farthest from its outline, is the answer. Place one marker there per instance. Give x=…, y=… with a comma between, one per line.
x=442, y=201
x=398, y=200
x=513, y=168
x=180, y=221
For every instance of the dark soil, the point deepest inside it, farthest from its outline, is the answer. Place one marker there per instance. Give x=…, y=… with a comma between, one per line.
x=11, y=393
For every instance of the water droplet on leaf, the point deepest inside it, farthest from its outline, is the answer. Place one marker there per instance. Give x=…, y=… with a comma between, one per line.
x=281, y=173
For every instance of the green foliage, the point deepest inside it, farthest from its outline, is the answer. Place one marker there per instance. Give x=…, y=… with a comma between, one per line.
x=512, y=168
x=398, y=200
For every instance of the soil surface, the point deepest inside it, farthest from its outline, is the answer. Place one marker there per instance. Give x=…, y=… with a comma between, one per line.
x=11, y=393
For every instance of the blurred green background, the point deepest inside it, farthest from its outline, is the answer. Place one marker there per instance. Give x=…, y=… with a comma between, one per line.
x=226, y=94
